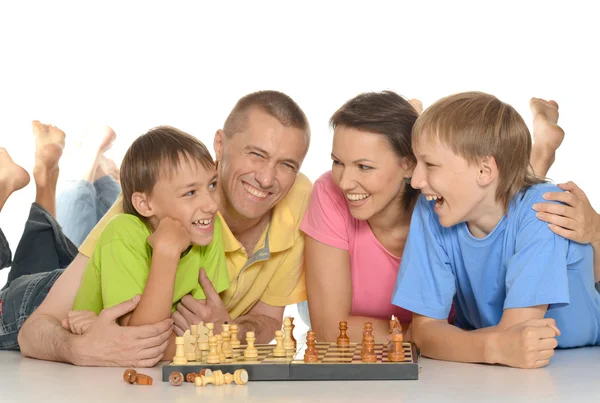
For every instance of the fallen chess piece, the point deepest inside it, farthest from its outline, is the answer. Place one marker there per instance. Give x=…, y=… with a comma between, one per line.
x=176, y=378
x=132, y=376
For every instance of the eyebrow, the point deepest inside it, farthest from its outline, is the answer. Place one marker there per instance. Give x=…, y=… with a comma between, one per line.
x=359, y=161
x=295, y=163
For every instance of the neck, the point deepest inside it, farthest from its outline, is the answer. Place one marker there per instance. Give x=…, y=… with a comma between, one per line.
x=239, y=225
x=392, y=216
x=488, y=215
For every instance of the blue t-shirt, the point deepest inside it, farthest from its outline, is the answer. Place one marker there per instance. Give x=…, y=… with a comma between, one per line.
x=520, y=264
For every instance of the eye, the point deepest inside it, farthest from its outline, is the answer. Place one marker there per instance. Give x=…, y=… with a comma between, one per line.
x=429, y=165
x=255, y=154
x=289, y=166
x=336, y=162
x=190, y=193
x=364, y=167
x=213, y=185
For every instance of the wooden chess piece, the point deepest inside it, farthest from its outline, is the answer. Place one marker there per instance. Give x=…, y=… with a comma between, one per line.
x=225, y=327
x=217, y=378
x=397, y=353
x=368, y=330
x=343, y=340
x=211, y=329
x=227, y=350
x=292, y=331
x=179, y=358
x=251, y=352
x=369, y=349
x=311, y=354
x=190, y=343
x=279, y=350
x=288, y=341
x=240, y=377
x=234, y=339
x=213, y=355
x=222, y=357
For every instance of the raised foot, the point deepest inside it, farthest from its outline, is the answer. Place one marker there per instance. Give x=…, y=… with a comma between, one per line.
x=12, y=176
x=547, y=134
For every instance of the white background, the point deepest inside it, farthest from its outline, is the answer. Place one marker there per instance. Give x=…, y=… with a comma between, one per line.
x=135, y=65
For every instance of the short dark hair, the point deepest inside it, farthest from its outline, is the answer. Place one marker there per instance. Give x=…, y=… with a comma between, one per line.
x=158, y=152
x=388, y=114
x=277, y=104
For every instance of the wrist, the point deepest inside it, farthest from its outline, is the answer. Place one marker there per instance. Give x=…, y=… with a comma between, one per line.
x=163, y=251
x=75, y=352
x=491, y=347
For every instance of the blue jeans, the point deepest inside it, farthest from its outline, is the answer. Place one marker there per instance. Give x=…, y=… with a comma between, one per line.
x=42, y=254
x=80, y=205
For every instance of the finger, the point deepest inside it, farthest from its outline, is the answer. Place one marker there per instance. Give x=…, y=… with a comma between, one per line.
x=209, y=290
x=548, y=344
x=178, y=331
x=193, y=316
x=565, y=233
x=545, y=354
x=565, y=222
x=149, y=362
x=179, y=321
x=85, y=326
x=563, y=197
x=573, y=188
x=554, y=208
x=154, y=351
x=191, y=303
x=550, y=324
x=156, y=341
x=541, y=363
x=149, y=331
x=65, y=324
x=115, y=312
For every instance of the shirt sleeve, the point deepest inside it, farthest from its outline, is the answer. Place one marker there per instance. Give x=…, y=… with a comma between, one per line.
x=88, y=245
x=426, y=283
x=537, y=272
x=288, y=285
x=327, y=215
x=214, y=263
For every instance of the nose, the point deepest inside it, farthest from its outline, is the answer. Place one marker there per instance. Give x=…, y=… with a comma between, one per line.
x=347, y=181
x=265, y=175
x=209, y=204
x=419, y=178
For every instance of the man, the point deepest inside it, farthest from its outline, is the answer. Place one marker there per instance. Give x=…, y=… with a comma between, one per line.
x=259, y=152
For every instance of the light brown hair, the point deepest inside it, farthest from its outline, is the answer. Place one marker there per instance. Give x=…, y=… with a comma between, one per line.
x=476, y=125
x=388, y=114
x=158, y=153
x=275, y=103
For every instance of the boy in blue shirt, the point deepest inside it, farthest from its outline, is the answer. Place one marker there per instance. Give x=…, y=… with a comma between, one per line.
x=518, y=289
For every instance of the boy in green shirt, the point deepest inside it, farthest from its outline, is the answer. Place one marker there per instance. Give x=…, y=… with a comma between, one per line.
x=169, y=232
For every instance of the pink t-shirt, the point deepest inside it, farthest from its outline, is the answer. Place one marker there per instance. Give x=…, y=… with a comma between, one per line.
x=374, y=269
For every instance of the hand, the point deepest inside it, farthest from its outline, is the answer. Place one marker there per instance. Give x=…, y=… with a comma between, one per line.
x=577, y=220
x=105, y=343
x=191, y=311
x=77, y=322
x=170, y=235
x=528, y=344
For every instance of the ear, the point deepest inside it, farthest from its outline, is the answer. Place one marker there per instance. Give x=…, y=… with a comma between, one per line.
x=218, y=144
x=408, y=167
x=142, y=204
x=488, y=171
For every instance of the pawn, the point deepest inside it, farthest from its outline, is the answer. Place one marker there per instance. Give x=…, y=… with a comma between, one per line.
x=251, y=352
x=215, y=378
x=397, y=353
x=343, y=340
x=179, y=358
x=288, y=342
x=279, y=350
x=222, y=357
x=311, y=354
x=213, y=355
x=225, y=327
x=240, y=376
x=227, y=350
x=234, y=340
x=292, y=330
x=368, y=354
x=211, y=329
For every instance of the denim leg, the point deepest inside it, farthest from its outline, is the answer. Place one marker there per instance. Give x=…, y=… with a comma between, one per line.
x=43, y=246
x=303, y=312
x=107, y=191
x=5, y=254
x=19, y=301
x=76, y=209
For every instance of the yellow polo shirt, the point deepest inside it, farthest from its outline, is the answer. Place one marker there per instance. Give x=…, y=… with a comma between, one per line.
x=274, y=273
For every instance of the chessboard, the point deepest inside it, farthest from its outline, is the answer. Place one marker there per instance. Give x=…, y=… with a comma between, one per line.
x=334, y=363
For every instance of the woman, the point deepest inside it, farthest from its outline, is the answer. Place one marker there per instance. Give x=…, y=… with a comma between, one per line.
x=359, y=214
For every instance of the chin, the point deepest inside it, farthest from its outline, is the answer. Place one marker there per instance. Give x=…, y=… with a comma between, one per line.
x=203, y=241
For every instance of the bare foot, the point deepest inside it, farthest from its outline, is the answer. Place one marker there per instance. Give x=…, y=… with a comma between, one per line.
x=12, y=176
x=546, y=132
x=418, y=105
x=49, y=145
x=108, y=167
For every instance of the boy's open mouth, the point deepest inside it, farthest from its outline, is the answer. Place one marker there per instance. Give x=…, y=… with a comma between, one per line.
x=202, y=223
x=439, y=200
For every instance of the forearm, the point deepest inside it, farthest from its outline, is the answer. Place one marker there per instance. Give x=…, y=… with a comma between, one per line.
x=157, y=299
x=44, y=338
x=263, y=326
x=446, y=342
x=541, y=160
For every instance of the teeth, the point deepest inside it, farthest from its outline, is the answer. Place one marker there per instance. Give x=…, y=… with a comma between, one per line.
x=255, y=192
x=202, y=222
x=357, y=196
x=432, y=197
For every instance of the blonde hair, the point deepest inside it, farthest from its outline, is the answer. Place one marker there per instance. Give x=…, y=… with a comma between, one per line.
x=475, y=125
